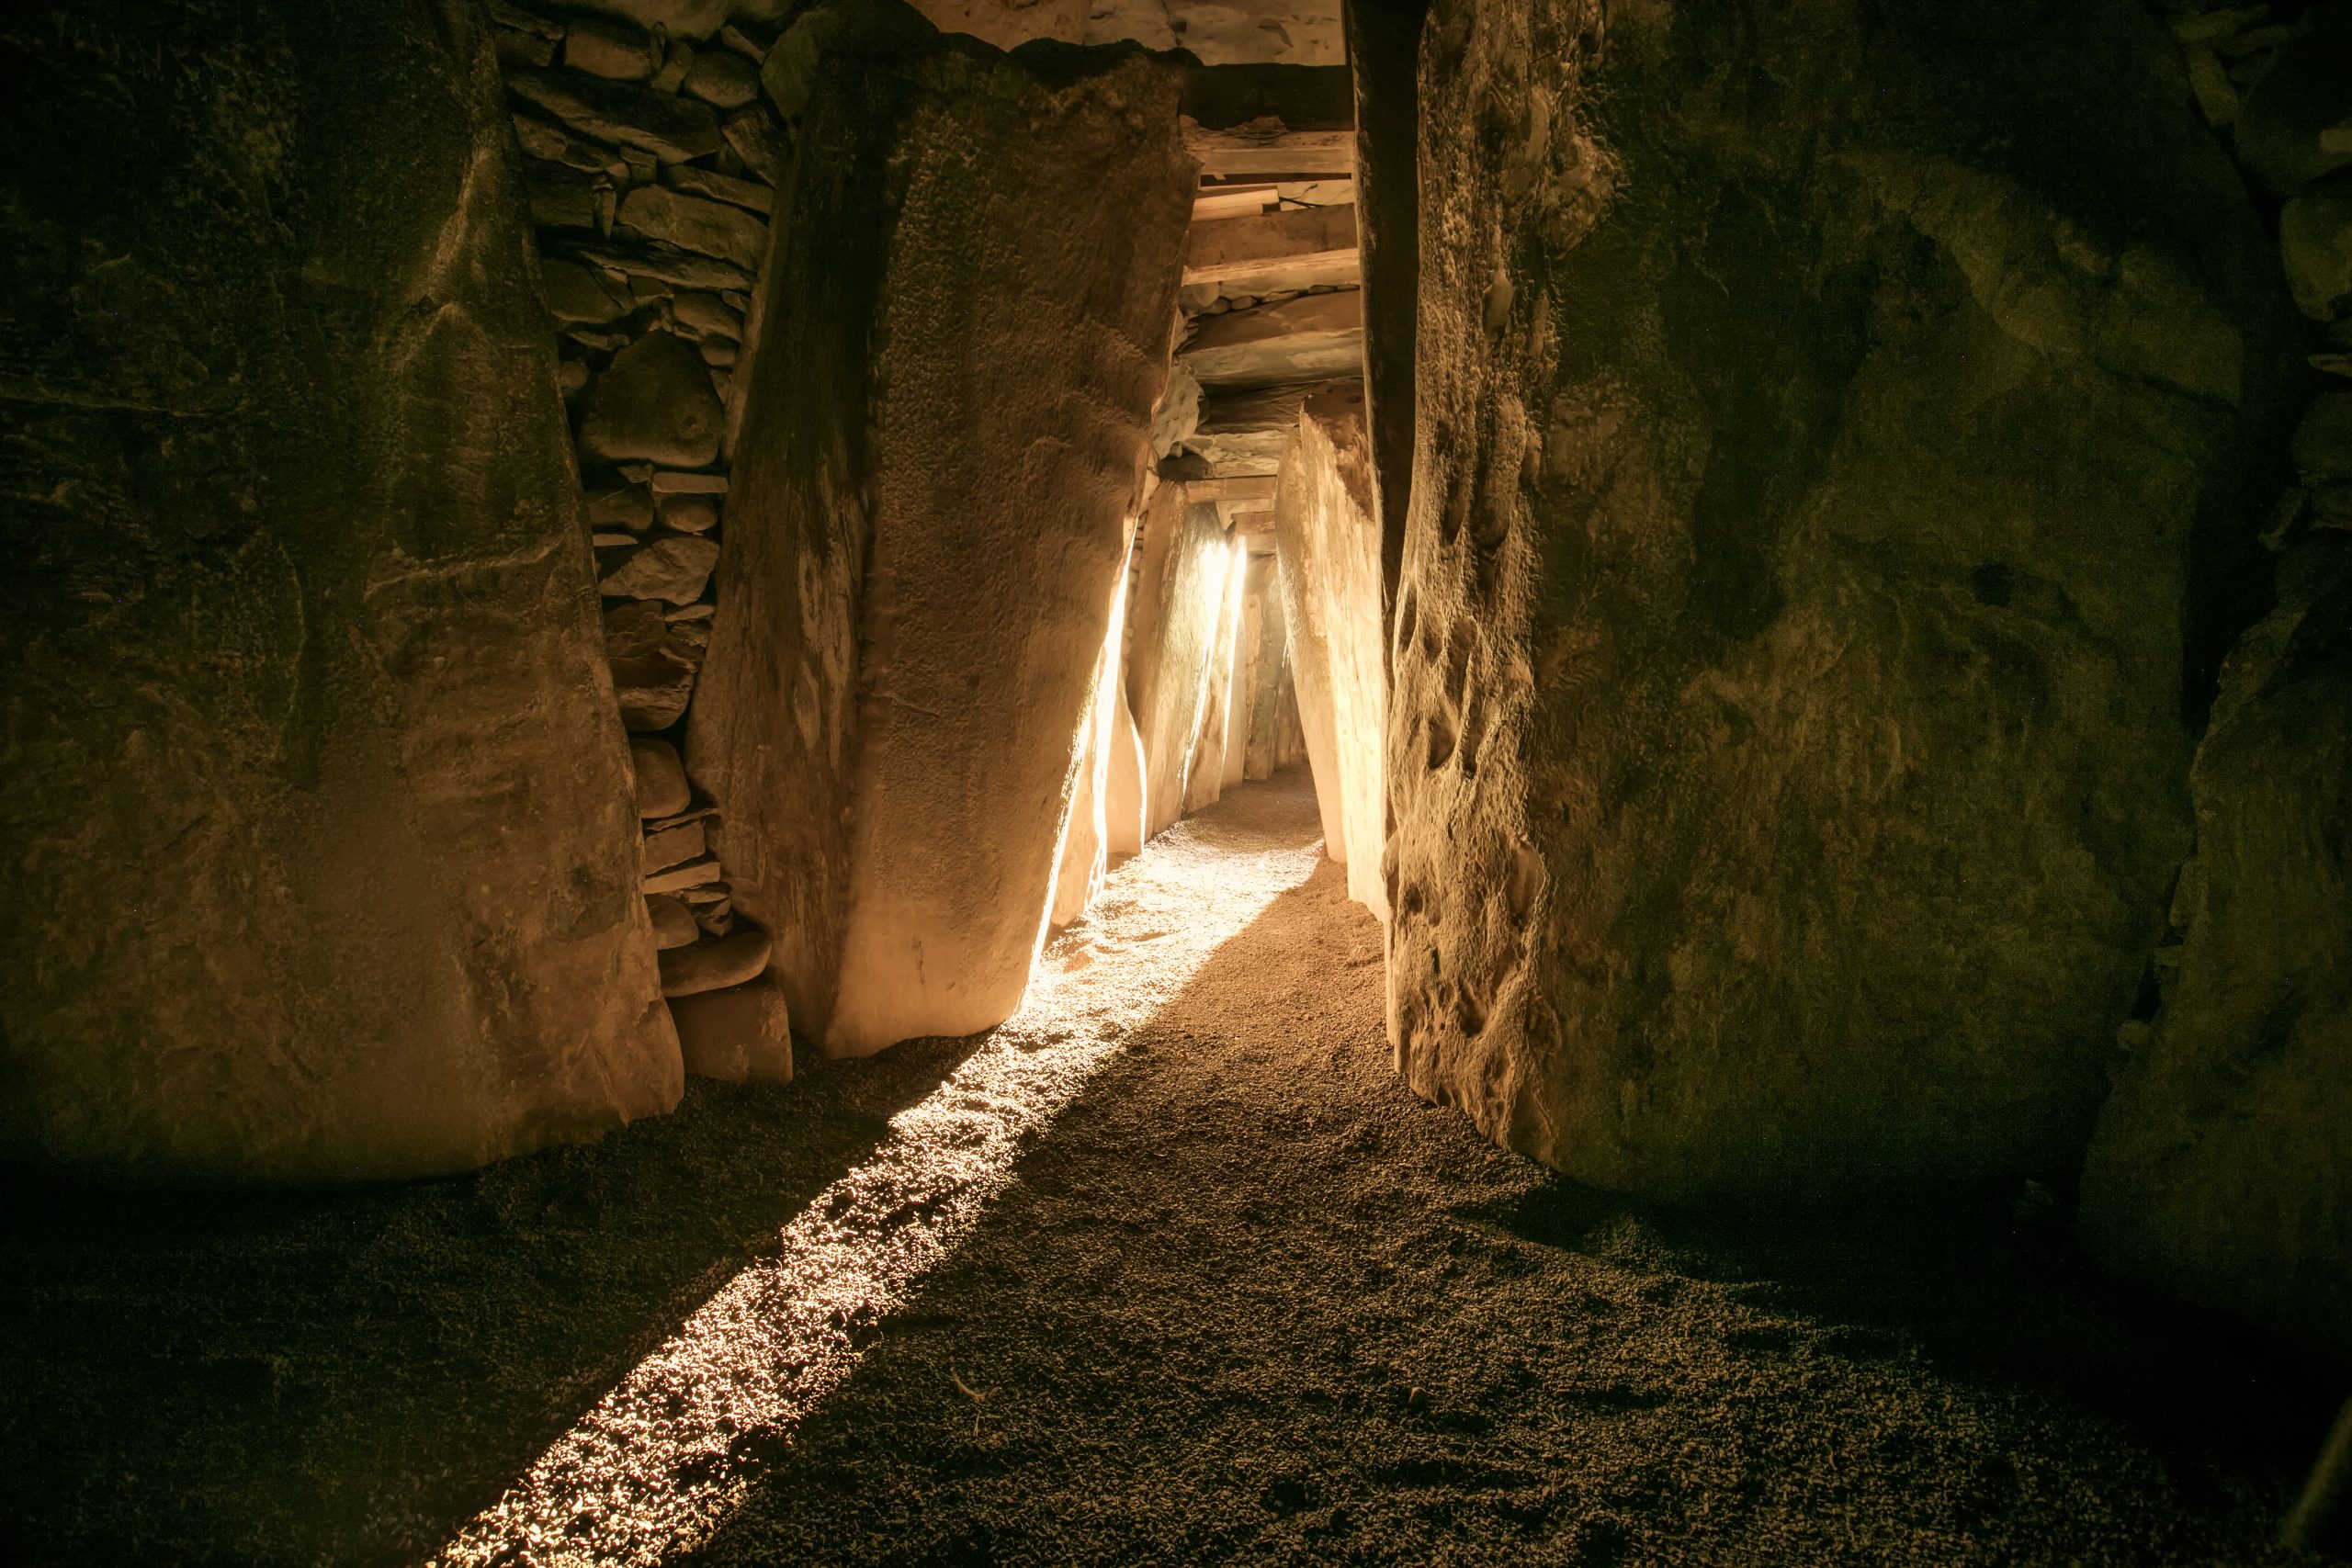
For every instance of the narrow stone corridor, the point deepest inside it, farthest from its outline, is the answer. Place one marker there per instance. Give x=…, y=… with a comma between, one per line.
x=1238, y=1297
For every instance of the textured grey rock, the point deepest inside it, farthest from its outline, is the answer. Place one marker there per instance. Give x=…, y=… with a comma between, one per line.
x=611, y=49
x=654, y=402
x=748, y=194
x=576, y=293
x=1785, y=739
x=674, y=925
x=742, y=1035
x=316, y=813
x=660, y=786
x=673, y=845
x=671, y=129
x=713, y=965
x=722, y=78
x=2221, y=1168
x=670, y=569
x=708, y=227
x=2315, y=242
x=679, y=18
x=665, y=264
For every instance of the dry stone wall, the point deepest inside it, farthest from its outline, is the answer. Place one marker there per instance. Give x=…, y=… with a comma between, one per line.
x=319, y=854
x=1787, y=737
x=650, y=157
x=2222, y=1167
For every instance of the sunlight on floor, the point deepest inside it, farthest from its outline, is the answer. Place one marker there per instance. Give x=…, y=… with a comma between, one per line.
x=664, y=1458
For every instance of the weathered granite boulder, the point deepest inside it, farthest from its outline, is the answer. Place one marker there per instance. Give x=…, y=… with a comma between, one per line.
x=2221, y=1166
x=1817, y=412
x=1330, y=549
x=320, y=854
x=1178, y=598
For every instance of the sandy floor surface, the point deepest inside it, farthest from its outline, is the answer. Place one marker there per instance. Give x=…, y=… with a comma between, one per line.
x=1230, y=1294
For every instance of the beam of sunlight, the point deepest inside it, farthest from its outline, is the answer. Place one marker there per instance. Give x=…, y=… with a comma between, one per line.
x=656, y=1466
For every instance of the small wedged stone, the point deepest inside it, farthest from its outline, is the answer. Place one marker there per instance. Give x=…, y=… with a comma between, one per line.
x=714, y=965
x=684, y=879
x=671, y=129
x=635, y=630
x=666, y=264
x=679, y=18
x=652, y=692
x=629, y=507
x=662, y=787
x=654, y=402
x=691, y=223
x=578, y=295
x=706, y=315
x=546, y=141
x=673, y=923
x=759, y=141
x=673, y=846
x=564, y=198
x=2315, y=242
x=742, y=1034
x=2322, y=442
x=742, y=43
x=723, y=79
x=522, y=52
x=707, y=894
x=690, y=513
x=673, y=568
x=612, y=49
x=695, y=181
x=672, y=481
x=674, y=67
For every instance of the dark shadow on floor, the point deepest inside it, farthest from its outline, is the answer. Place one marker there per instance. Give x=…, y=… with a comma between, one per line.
x=346, y=1378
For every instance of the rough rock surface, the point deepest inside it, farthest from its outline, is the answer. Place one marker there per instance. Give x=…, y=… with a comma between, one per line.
x=1006, y=462
x=1330, y=548
x=321, y=858
x=1270, y=666
x=1085, y=849
x=1177, y=600
x=2219, y=1166
x=1204, y=774
x=1220, y=32
x=1815, y=408
x=770, y=734
x=655, y=405
x=742, y=1035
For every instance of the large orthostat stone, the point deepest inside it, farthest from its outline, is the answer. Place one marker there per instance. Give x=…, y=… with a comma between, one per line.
x=1330, y=549
x=1785, y=740
x=320, y=852
x=1204, y=774
x=2221, y=1169
x=1085, y=849
x=996, y=553
x=1269, y=664
x=1180, y=585
x=990, y=553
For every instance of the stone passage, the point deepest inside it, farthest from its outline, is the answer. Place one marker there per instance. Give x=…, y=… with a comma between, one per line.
x=649, y=160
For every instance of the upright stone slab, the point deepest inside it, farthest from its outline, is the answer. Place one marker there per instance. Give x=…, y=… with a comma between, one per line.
x=1123, y=798
x=318, y=817
x=1269, y=657
x=1816, y=403
x=771, y=733
x=2221, y=1168
x=1023, y=322
x=1204, y=774
x=1086, y=838
x=1179, y=597
x=1328, y=546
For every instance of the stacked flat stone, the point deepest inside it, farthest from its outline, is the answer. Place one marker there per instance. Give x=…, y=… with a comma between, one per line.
x=649, y=159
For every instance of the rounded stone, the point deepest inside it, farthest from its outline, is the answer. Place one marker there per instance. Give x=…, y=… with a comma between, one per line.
x=655, y=405
x=661, y=788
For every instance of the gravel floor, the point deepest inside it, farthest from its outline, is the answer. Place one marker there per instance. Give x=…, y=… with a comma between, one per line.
x=1242, y=1299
